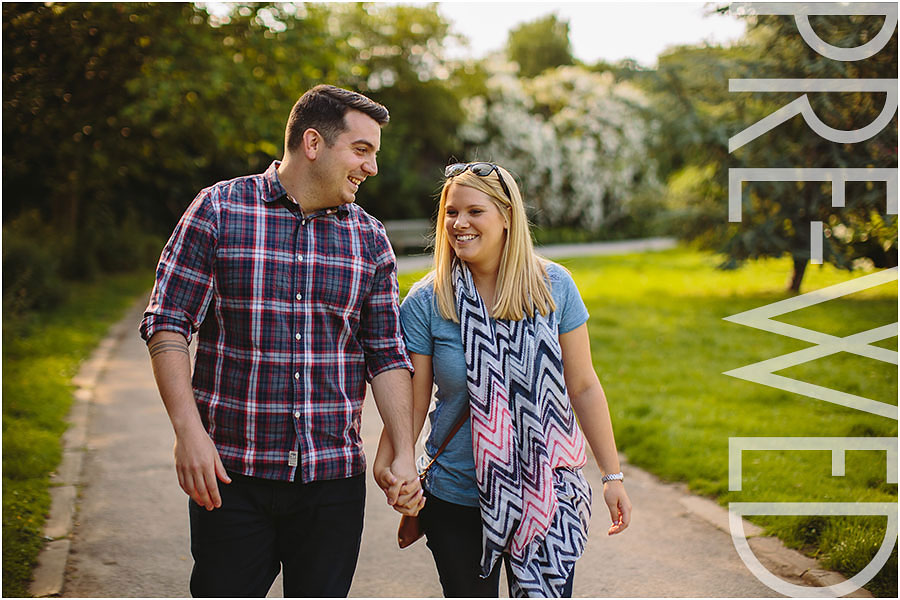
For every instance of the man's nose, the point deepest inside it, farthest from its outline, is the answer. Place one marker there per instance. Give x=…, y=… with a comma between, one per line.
x=370, y=167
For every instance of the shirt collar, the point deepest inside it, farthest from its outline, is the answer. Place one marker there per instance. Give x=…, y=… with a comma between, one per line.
x=273, y=191
x=272, y=188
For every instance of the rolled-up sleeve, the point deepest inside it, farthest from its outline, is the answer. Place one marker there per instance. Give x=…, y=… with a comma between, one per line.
x=381, y=335
x=184, y=277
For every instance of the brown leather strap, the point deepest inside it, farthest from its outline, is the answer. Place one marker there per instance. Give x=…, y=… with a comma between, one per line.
x=456, y=426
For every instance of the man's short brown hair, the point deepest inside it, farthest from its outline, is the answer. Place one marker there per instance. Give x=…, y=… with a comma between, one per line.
x=323, y=108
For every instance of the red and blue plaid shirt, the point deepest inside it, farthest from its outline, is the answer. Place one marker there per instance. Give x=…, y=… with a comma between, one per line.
x=294, y=313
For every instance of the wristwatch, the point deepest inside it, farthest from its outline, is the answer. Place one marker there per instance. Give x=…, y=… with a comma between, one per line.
x=613, y=477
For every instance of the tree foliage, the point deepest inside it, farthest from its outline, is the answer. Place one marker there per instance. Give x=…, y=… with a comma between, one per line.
x=697, y=115
x=540, y=45
x=399, y=54
x=573, y=137
x=115, y=115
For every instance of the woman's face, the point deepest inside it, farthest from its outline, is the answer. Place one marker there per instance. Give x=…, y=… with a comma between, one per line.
x=475, y=227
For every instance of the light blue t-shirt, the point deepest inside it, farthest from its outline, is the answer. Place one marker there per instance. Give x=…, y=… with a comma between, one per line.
x=452, y=478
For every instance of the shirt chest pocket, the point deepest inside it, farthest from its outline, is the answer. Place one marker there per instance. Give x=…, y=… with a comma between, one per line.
x=250, y=279
x=345, y=284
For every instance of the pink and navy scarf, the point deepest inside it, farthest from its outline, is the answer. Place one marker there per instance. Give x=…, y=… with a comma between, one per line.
x=535, y=502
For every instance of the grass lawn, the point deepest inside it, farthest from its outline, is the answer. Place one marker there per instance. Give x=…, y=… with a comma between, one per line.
x=660, y=346
x=40, y=356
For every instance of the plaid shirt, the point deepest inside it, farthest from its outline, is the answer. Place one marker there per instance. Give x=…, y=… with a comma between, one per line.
x=294, y=313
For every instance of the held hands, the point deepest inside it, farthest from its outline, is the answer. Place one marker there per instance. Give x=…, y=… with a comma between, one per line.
x=198, y=465
x=401, y=485
x=619, y=506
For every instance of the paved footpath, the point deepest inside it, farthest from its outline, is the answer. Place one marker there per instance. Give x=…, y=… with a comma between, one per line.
x=130, y=536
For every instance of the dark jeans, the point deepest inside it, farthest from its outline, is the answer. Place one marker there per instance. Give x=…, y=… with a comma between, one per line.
x=453, y=534
x=311, y=530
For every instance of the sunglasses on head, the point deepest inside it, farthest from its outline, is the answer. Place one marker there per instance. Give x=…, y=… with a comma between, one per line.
x=482, y=169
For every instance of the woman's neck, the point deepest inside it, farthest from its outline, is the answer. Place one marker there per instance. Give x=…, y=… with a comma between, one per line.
x=485, y=282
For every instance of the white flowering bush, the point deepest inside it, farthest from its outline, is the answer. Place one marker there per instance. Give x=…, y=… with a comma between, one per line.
x=573, y=138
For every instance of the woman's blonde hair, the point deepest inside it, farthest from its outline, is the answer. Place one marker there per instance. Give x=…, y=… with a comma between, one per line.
x=522, y=284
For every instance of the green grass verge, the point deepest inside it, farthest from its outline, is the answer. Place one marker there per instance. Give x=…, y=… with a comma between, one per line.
x=40, y=356
x=660, y=345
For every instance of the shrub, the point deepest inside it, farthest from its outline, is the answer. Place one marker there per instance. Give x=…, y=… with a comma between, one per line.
x=31, y=277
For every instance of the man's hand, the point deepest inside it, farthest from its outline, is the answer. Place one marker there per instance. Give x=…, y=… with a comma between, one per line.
x=399, y=479
x=198, y=465
x=404, y=469
x=388, y=482
x=197, y=462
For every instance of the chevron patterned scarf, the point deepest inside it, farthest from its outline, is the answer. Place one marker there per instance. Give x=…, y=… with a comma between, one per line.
x=535, y=503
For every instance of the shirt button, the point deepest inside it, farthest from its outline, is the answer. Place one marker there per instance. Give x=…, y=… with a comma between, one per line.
x=300, y=257
x=297, y=336
x=299, y=296
x=296, y=414
x=303, y=222
x=296, y=375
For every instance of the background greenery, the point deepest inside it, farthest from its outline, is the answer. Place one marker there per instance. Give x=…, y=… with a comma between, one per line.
x=41, y=354
x=116, y=114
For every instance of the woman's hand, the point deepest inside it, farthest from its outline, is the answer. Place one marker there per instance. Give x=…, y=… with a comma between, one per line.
x=411, y=499
x=619, y=506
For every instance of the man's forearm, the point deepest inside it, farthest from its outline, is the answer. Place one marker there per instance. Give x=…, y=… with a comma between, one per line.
x=171, y=361
x=197, y=461
x=393, y=396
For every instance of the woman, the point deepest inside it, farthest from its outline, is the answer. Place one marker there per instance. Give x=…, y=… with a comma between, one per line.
x=502, y=333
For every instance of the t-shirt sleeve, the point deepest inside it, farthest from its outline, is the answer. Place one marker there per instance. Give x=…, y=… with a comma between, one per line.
x=415, y=318
x=570, y=308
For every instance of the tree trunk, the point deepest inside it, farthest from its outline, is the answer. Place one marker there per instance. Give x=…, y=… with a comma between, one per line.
x=797, y=277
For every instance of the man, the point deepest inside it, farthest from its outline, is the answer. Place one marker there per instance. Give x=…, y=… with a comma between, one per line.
x=292, y=290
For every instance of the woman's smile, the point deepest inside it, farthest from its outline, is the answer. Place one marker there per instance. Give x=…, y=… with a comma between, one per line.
x=475, y=226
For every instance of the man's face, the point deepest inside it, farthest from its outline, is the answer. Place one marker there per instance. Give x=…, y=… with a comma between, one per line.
x=346, y=163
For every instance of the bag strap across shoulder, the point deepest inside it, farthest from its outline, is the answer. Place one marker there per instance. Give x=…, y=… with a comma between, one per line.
x=456, y=427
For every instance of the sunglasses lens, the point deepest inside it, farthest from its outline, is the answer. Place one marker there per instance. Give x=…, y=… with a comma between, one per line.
x=454, y=169
x=482, y=169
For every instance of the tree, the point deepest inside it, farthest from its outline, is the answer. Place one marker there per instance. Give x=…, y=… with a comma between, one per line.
x=574, y=138
x=115, y=115
x=698, y=115
x=540, y=45
x=71, y=152
x=397, y=53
